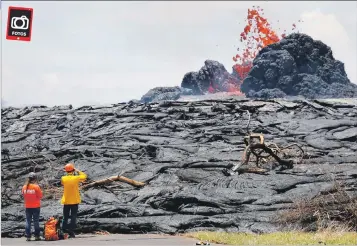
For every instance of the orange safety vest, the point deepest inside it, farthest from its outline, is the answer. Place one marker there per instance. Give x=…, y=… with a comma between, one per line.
x=32, y=195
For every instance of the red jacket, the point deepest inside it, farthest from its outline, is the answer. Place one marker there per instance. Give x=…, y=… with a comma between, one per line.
x=32, y=195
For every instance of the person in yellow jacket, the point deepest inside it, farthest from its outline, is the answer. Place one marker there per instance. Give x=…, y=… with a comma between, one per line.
x=71, y=197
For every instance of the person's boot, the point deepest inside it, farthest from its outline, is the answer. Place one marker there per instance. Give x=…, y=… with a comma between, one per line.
x=71, y=235
x=28, y=238
x=37, y=238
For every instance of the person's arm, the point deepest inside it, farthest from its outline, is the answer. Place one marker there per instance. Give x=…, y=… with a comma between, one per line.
x=81, y=175
x=39, y=192
x=62, y=180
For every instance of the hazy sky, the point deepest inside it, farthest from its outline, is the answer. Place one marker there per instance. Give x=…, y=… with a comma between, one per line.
x=95, y=52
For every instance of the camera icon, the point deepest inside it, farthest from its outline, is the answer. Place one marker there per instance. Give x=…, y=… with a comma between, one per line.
x=20, y=23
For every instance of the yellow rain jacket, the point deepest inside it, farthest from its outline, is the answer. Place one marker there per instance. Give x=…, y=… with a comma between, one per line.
x=70, y=184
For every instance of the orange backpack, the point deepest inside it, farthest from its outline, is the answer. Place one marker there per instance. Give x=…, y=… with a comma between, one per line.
x=52, y=229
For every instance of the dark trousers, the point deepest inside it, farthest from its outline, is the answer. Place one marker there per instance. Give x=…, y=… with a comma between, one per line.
x=70, y=211
x=32, y=214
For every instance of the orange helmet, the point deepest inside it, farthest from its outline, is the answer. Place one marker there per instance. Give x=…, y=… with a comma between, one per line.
x=69, y=167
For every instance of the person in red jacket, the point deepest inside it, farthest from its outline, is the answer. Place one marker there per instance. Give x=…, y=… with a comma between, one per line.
x=32, y=194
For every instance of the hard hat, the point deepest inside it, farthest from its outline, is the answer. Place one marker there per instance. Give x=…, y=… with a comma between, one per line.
x=69, y=167
x=32, y=175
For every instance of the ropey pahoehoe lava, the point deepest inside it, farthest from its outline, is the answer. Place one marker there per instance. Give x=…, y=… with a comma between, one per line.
x=179, y=150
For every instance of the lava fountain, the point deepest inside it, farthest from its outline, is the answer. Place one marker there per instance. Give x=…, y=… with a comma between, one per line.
x=257, y=34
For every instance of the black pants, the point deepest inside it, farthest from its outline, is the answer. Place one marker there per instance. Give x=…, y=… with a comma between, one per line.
x=70, y=211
